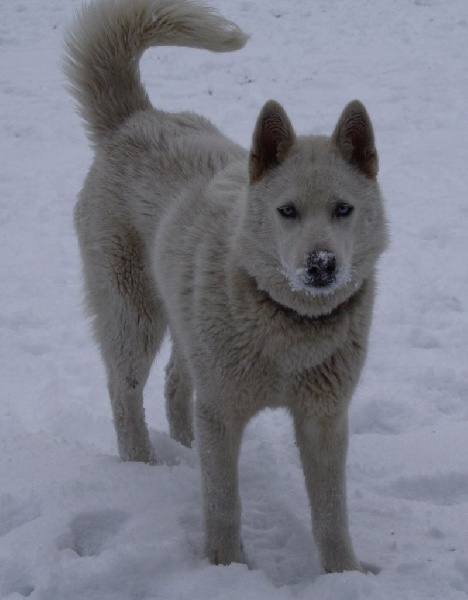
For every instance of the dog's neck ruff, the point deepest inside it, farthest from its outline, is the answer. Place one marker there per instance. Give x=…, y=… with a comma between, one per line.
x=299, y=318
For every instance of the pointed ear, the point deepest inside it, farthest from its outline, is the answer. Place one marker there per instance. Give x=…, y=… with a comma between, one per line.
x=354, y=138
x=272, y=138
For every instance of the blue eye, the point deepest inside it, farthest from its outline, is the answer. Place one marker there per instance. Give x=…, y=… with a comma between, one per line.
x=343, y=210
x=288, y=211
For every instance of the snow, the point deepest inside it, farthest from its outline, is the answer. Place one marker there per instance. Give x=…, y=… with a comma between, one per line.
x=75, y=523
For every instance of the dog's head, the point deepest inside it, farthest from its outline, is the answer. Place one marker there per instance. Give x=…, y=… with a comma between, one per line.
x=314, y=223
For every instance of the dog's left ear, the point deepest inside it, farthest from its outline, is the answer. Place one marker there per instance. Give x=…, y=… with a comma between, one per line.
x=354, y=138
x=273, y=137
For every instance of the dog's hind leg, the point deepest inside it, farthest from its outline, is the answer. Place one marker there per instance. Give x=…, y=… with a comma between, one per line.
x=127, y=375
x=129, y=325
x=178, y=393
x=129, y=347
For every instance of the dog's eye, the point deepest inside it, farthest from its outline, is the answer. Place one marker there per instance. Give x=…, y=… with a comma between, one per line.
x=343, y=210
x=288, y=211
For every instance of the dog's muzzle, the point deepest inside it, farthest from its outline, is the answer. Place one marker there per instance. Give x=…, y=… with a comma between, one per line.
x=320, y=269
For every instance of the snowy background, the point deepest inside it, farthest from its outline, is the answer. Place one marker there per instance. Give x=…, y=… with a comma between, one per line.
x=75, y=523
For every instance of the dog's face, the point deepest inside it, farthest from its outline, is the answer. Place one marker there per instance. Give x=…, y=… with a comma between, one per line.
x=314, y=216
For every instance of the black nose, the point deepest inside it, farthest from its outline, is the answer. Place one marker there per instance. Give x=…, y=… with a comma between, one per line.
x=321, y=268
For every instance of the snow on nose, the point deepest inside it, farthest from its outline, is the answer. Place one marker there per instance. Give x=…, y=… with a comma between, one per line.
x=320, y=268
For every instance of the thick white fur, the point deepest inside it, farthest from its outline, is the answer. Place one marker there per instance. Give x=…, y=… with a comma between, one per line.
x=179, y=228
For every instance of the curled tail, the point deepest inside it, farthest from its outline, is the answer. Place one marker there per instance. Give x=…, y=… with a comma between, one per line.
x=107, y=39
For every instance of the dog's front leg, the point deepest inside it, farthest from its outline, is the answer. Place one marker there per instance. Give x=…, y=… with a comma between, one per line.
x=219, y=443
x=323, y=446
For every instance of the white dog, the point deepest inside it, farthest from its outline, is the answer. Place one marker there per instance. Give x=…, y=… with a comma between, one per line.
x=261, y=264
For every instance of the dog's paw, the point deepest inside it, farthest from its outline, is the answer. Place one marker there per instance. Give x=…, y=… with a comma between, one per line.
x=138, y=454
x=370, y=568
x=225, y=556
x=362, y=567
x=343, y=563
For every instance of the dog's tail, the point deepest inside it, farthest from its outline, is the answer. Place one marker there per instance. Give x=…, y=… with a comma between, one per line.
x=107, y=39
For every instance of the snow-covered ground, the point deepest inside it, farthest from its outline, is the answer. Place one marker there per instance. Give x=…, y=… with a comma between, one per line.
x=75, y=523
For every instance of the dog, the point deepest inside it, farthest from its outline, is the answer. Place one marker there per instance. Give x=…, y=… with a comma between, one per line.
x=261, y=264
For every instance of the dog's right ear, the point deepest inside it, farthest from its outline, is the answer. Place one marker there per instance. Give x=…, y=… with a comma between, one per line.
x=272, y=138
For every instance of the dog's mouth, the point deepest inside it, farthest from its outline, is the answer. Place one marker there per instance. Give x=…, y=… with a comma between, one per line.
x=291, y=313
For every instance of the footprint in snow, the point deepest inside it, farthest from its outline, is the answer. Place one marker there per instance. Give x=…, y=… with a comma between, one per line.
x=15, y=512
x=90, y=531
x=440, y=490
